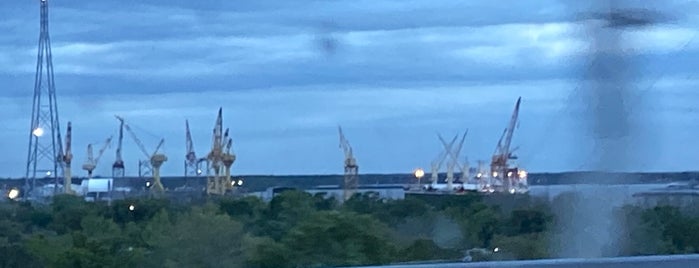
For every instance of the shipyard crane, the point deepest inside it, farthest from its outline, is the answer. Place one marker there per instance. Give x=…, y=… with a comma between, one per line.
x=92, y=161
x=66, y=160
x=500, y=164
x=215, y=181
x=437, y=162
x=351, y=178
x=192, y=164
x=454, y=159
x=228, y=158
x=118, y=166
x=155, y=160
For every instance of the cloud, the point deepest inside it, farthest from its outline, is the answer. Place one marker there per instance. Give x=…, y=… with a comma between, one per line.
x=400, y=71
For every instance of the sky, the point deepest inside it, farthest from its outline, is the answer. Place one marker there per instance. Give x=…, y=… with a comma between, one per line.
x=392, y=73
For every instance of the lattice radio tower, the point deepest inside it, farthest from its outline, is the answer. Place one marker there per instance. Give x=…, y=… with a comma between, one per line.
x=45, y=149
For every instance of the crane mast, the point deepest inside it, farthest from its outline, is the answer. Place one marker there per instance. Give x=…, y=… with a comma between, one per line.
x=67, y=159
x=437, y=162
x=501, y=171
x=118, y=166
x=218, y=181
x=191, y=163
x=351, y=177
x=454, y=158
x=92, y=161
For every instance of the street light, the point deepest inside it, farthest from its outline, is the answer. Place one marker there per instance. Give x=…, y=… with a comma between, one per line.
x=419, y=173
x=13, y=194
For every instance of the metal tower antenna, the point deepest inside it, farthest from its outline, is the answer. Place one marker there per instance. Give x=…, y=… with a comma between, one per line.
x=45, y=149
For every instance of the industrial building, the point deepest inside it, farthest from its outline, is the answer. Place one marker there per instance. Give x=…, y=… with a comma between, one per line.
x=384, y=191
x=683, y=195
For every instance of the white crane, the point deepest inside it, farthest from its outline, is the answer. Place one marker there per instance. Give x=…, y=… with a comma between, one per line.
x=436, y=164
x=92, y=161
x=351, y=177
x=454, y=159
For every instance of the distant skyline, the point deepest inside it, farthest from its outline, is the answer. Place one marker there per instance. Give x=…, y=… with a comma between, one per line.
x=392, y=73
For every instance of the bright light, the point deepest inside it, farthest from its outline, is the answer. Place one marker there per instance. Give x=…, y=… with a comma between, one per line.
x=198, y=171
x=509, y=174
x=132, y=207
x=419, y=173
x=240, y=182
x=512, y=191
x=496, y=249
x=148, y=184
x=522, y=174
x=479, y=175
x=38, y=132
x=495, y=173
x=14, y=193
x=48, y=173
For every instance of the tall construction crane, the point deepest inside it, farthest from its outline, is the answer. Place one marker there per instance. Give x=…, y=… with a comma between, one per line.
x=192, y=164
x=91, y=162
x=67, y=159
x=437, y=162
x=500, y=164
x=118, y=166
x=155, y=160
x=351, y=178
x=454, y=159
x=228, y=158
x=217, y=182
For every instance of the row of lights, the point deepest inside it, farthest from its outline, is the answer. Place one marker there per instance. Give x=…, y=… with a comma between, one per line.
x=419, y=173
x=234, y=183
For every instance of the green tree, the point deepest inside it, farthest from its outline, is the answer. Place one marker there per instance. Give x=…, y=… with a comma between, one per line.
x=335, y=238
x=196, y=239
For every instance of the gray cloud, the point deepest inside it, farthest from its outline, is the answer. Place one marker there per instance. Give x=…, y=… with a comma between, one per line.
x=399, y=71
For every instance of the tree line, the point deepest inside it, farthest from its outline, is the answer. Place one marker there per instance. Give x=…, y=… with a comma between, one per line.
x=297, y=229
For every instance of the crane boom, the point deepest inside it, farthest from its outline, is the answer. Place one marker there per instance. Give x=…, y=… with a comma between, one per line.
x=454, y=155
x=447, y=150
x=511, y=129
x=137, y=141
x=121, y=140
x=190, y=155
x=68, y=156
x=218, y=134
x=107, y=143
x=160, y=144
x=344, y=144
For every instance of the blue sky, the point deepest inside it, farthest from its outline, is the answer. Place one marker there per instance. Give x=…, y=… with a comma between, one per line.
x=396, y=73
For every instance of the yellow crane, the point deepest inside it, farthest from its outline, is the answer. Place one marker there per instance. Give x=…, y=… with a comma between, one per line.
x=155, y=160
x=220, y=161
x=228, y=159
